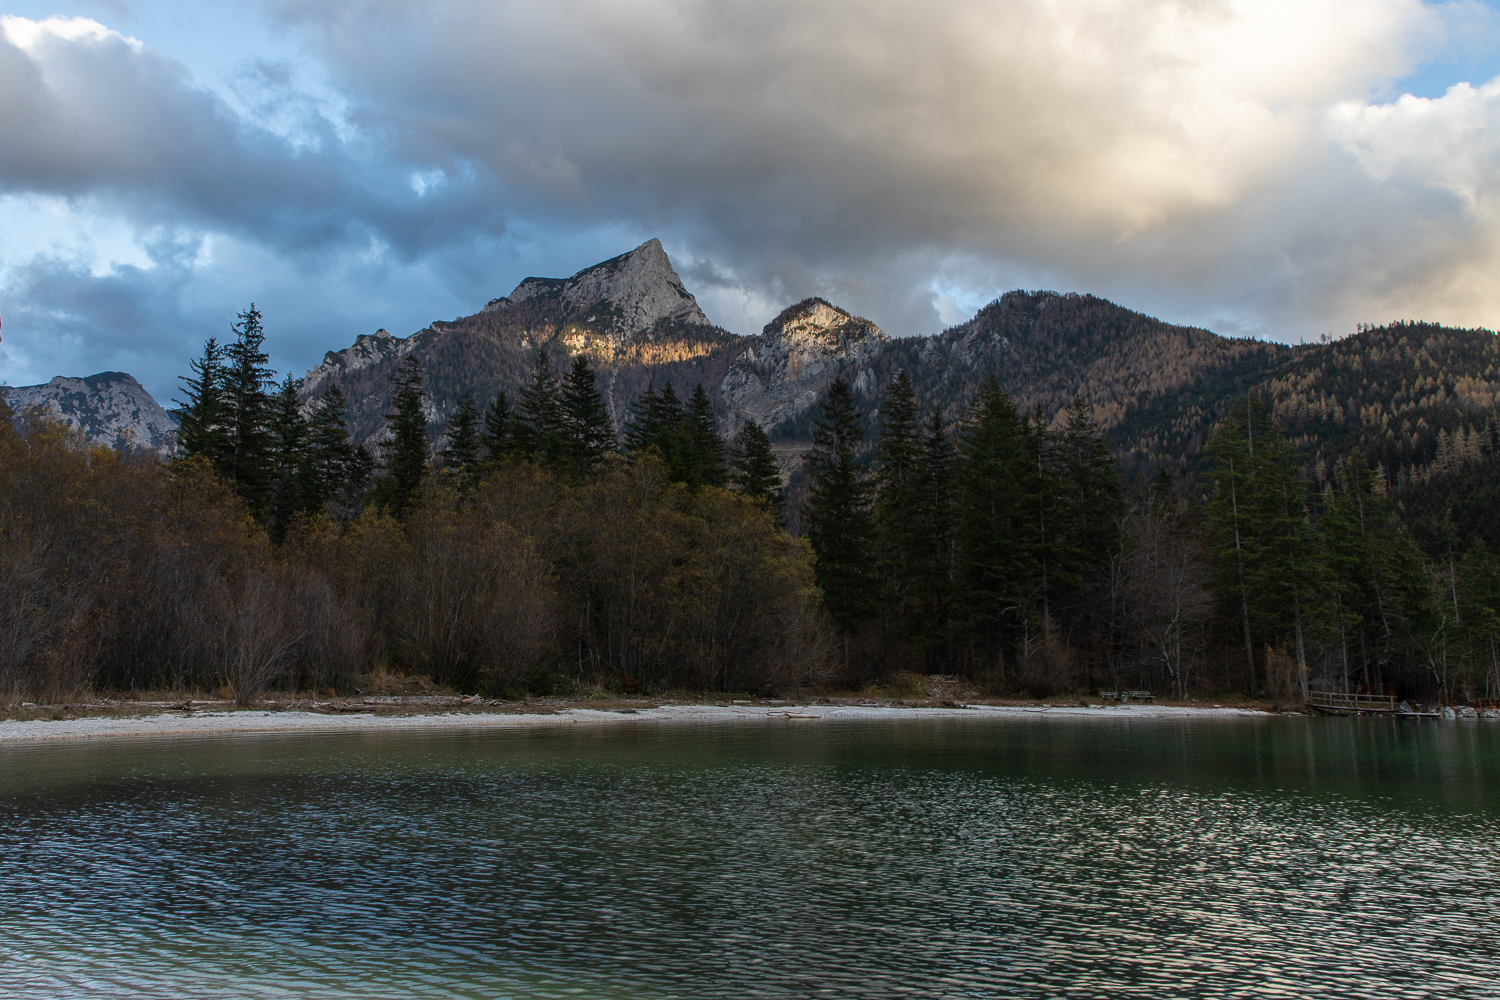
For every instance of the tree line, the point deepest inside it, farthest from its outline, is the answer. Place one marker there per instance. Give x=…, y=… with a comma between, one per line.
x=1008, y=549
x=288, y=458
x=533, y=550
x=537, y=546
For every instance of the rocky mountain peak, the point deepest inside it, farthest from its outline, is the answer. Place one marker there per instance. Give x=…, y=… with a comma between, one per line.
x=815, y=323
x=623, y=297
x=110, y=408
x=787, y=368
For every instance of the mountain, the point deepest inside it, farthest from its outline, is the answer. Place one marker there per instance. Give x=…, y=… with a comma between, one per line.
x=1418, y=398
x=630, y=315
x=110, y=408
x=1403, y=393
x=782, y=373
x=1156, y=387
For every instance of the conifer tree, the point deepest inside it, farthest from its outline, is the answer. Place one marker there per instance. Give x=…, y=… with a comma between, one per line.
x=1231, y=510
x=1375, y=573
x=656, y=422
x=539, y=415
x=1287, y=578
x=1088, y=511
x=933, y=560
x=329, y=453
x=203, y=428
x=898, y=503
x=406, y=448
x=586, y=428
x=642, y=427
x=499, y=434
x=461, y=454
x=702, y=451
x=756, y=473
x=289, y=459
x=246, y=379
x=358, y=485
x=996, y=528
x=839, y=524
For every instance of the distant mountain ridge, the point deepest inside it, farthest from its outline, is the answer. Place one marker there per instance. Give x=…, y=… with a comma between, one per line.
x=1156, y=388
x=1412, y=396
x=109, y=408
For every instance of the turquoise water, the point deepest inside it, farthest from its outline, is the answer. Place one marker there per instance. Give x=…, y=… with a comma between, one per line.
x=975, y=858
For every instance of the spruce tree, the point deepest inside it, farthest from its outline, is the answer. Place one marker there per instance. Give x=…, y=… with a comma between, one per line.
x=539, y=413
x=406, y=448
x=756, y=473
x=203, y=428
x=357, y=487
x=586, y=428
x=289, y=460
x=933, y=559
x=1231, y=510
x=1287, y=574
x=329, y=453
x=499, y=434
x=898, y=503
x=996, y=526
x=702, y=450
x=246, y=378
x=642, y=428
x=1089, y=509
x=839, y=524
x=656, y=421
x=461, y=454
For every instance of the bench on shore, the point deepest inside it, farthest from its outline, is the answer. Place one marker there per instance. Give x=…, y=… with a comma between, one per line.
x=1126, y=696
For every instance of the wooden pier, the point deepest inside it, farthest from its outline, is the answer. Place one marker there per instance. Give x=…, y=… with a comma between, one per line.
x=1333, y=703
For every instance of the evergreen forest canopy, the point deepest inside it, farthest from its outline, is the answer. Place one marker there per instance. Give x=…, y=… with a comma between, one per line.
x=538, y=548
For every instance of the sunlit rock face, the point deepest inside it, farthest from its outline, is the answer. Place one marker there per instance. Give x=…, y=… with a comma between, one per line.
x=110, y=408
x=630, y=315
x=622, y=298
x=784, y=371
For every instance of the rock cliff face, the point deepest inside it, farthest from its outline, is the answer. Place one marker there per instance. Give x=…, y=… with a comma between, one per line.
x=631, y=315
x=377, y=350
x=110, y=408
x=622, y=298
x=784, y=371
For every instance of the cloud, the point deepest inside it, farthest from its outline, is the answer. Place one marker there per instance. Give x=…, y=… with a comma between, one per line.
x=1245, y=164
x=1141, y=147
x=90, y=112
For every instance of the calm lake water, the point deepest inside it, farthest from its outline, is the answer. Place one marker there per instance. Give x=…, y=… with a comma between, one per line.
x=1025, y=857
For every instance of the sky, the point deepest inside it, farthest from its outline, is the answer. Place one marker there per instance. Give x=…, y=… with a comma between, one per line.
x=1281, y=170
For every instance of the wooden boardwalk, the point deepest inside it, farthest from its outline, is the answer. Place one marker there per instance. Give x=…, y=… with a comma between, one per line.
x=1333, y=703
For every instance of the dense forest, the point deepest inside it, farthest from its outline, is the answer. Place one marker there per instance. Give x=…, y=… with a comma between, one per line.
x=540, y=549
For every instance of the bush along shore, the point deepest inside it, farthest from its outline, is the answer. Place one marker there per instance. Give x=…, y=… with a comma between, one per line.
x=539, y=551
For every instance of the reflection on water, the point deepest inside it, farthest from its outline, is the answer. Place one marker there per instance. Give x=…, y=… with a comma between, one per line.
x=1089, y=858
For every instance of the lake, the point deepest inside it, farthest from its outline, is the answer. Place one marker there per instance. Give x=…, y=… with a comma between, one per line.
x=1017, y=857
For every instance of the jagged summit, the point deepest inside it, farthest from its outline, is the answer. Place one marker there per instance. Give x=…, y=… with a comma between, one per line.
x=110, y=408
x=624, y=297
x=630, y=315
x=785, y=370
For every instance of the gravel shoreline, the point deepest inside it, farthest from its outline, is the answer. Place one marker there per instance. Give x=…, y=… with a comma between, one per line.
x=179, y=723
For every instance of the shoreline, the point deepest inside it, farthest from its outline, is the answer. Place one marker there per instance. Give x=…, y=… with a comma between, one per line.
x=259, y=721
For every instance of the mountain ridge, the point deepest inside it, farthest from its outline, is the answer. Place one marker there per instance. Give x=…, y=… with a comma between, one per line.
x=108, y=408
x=1410, y=396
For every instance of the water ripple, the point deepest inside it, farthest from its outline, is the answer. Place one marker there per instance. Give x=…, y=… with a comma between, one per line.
x=1274, y=859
